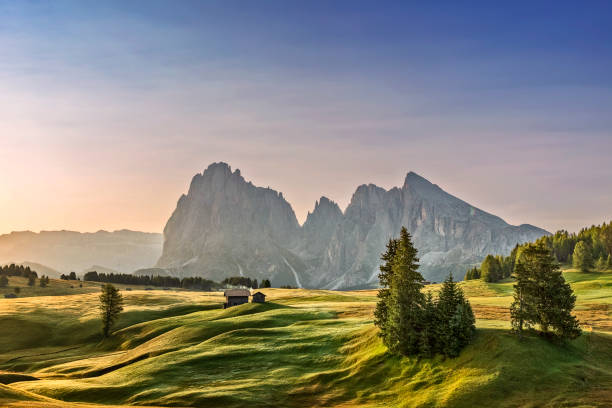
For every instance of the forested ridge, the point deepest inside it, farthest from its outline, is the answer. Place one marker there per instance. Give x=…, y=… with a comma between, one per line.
x=590, y=249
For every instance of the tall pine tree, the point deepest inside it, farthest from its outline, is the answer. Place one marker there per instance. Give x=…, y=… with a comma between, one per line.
x=601, y=263
x=406, y=301
x=582, y=257
x=541, y=295
x=384, y=293
x=111, y=304
x=490, y=269
x=456, y=322
x=429, y=331
x=521, y=310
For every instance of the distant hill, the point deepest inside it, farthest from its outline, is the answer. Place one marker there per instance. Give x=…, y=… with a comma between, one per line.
x=226, y=226
x=65, y=251
x=99, y=269
x=41, y=269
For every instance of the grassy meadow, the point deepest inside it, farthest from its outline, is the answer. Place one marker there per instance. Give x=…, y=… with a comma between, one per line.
x=303, y=348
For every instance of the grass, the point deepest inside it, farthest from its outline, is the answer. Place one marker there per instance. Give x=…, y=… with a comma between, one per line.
x=302, y=348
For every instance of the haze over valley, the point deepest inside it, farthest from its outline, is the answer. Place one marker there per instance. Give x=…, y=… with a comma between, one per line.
x=225, y=226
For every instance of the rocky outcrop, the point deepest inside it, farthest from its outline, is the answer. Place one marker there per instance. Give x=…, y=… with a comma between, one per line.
x=226, y=226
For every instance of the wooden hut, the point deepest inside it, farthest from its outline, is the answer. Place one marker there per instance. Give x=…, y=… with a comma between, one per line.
x=235, y=297
x=259, y=298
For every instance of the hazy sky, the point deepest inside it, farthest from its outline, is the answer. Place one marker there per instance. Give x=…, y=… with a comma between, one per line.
x=108, y=110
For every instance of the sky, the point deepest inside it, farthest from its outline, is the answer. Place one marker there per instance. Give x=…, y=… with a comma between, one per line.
x=108, y=109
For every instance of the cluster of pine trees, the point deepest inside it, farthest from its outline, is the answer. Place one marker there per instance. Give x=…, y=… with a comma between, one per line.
x=493, y=268
x=70, y=276
x=18, y=270
x=23, y=271
x=246, y=281
x=240, y=281
x=597, y=239
x=542, y=298
x=412, y=322
x=590, y=249
x=152, y=280
x=44, y=281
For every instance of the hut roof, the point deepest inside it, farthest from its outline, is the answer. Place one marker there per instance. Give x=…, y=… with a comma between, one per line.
x=237, y=292
x=259, y=293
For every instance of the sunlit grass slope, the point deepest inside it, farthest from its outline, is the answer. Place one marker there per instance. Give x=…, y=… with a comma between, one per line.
x=303, y=348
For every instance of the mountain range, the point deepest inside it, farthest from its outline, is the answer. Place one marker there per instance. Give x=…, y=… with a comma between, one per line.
x=54, y=252
x=226, y=226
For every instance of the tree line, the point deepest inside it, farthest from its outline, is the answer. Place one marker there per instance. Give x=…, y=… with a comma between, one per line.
x=22, y=271
x=152, y=280
x=588, y=250
x=245, y=281
x=197, y=283
x=70, y=276
x=17, y=270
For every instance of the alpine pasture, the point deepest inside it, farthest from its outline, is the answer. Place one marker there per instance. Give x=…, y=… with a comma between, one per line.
x=301, y=348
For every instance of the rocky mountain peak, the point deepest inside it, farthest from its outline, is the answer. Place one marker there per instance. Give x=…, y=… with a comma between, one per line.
x=226, y=226
x=325, y=210
x=324, y=204
x=413, y=179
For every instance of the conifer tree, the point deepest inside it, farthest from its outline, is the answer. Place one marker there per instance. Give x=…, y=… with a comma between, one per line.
x=609, y=262
x=583, y=259
x=557, y=301
x=31, y=280
x=513, y=256
x=521, y=312
x=541, y=295
x=111, y=304
x=406, y=301
x=601, y=263
x=490, y=269
x=456, y=322
x=429, y=332
x=3, y=281
x=384, y=293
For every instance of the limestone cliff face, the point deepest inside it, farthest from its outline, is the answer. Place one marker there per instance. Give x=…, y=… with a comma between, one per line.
x=225, y=226
x=449, y=233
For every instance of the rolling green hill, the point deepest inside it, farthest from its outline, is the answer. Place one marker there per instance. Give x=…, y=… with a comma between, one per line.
x=302, y=348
